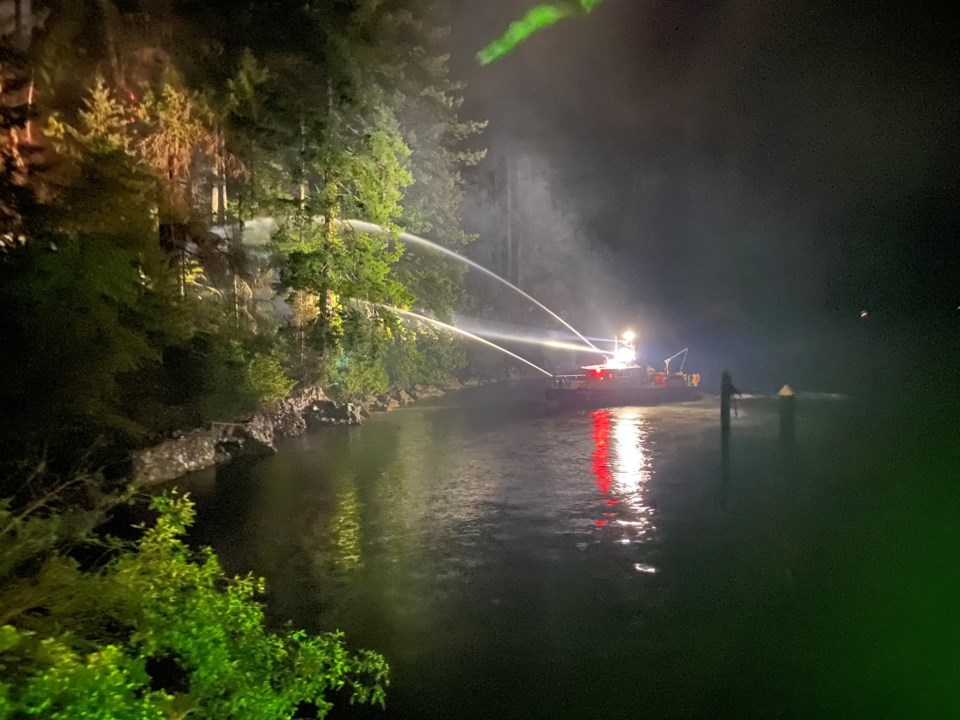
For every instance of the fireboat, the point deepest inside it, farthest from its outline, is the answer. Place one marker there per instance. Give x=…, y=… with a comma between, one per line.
x=623, y=379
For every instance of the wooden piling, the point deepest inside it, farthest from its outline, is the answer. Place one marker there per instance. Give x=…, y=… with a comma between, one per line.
x=727, y=390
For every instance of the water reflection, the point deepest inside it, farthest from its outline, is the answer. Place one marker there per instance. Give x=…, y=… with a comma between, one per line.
x=345, y=530
x=724, y=488
x=622, y=470
x=601, y=454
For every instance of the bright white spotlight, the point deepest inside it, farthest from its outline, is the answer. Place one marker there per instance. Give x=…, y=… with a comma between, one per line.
x=629, y=336
x=624, y=355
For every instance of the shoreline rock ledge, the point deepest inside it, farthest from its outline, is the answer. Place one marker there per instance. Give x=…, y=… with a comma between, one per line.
x=306, y=407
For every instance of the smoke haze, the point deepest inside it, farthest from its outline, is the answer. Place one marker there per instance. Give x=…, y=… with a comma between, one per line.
x=740, y=177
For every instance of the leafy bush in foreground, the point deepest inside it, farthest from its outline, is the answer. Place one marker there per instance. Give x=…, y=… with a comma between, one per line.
x=156, y=631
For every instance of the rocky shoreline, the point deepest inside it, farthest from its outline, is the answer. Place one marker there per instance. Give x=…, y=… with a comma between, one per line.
x=305, y=408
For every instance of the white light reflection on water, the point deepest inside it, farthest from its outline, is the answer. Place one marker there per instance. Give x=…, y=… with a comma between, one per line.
x=632, y=469
x=622, y=471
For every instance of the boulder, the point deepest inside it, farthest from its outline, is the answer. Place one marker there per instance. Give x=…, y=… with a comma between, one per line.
x=253, y=438
x=258, y=429
x=175, y=457
x=354, y=414
x=289, y=425
x=328, y=412
x=287, y=414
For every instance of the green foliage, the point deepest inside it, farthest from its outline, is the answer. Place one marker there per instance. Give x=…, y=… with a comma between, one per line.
x=373, y=176
x=357, y=375
x=377, y=353
x=357, y=366
x=154, y=631
x=104, y=120
x=177, y=132
x=422, y=355
x=266, y=379
x=427, y=104
x=216, y=377
x=440, y=356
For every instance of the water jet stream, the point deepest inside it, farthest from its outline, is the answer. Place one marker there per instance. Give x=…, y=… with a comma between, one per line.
x=523, y=333
x=557, y=344
x=364, y=226
x=452, y=328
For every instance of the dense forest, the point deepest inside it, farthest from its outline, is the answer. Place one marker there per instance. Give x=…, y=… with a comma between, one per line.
x=175, y=179
x=176, y=176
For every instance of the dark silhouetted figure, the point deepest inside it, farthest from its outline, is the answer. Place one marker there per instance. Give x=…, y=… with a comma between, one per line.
x=727, y=390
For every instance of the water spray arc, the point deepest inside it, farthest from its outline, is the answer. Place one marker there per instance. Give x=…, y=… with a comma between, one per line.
x=452, y=328
x=364, y=226
x=485, y=327
x=512, y=337
x=555, y=344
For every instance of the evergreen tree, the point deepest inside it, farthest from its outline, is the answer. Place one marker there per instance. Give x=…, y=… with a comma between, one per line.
x=87, y=299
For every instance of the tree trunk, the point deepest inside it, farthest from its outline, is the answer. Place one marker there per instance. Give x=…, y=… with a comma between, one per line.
x=109, y=15
x=29, y=127
x=301, y=350
x=221, y=180
x=18, y=23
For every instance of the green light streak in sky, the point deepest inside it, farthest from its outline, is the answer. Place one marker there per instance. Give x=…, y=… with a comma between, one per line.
x=536, y=19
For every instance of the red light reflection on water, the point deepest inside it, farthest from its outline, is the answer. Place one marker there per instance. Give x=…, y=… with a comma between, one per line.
x=602, y=472
x=601, y=452
x=619, y=465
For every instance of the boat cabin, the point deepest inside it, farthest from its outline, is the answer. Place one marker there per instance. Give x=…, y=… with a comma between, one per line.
x=617, y=375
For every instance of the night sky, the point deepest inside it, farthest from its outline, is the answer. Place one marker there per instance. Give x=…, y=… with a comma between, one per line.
x=756, y=171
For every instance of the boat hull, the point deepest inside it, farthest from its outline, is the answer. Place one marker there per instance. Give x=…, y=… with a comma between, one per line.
x=600, y=397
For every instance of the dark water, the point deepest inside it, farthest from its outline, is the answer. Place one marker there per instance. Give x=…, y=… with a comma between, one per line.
x=516, y=563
